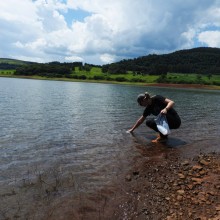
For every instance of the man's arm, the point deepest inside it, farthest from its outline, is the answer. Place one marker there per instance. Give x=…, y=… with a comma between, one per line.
x=137, y=124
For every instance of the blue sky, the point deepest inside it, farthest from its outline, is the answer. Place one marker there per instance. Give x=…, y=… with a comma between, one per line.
x=73, y=15
x=100, y=32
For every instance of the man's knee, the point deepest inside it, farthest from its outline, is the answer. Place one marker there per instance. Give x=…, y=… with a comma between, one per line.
x=150, y=123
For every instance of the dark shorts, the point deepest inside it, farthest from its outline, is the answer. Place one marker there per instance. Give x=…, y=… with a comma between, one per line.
x=173, y=120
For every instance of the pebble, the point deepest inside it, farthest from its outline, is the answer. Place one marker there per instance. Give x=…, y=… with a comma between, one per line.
x=179, y=197
x=190, y=186
x=181, y=176
x=218, y=208
x=204, y=162
x=197, y=167
x=211, y=193
x=185, y=163
x=197, y=180
x=181, y=192
x=128, y=177
x=202, y=172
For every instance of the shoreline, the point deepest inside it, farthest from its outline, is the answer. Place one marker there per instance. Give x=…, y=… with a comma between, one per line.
x=186, y=86
x=168, y=189
x=165, y=85
x=164, y=187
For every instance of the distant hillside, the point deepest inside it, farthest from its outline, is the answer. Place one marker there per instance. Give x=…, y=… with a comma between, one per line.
x=203, y=60
x=6, y=63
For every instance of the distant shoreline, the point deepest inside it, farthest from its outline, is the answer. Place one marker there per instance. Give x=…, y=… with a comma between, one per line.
x=185, y=86
x=166, y=85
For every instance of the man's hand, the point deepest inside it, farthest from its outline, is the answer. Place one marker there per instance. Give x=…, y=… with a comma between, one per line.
x=163, y=111
x=129, y=131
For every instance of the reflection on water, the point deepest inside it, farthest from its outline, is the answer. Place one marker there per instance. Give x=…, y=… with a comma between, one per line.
x=81, y=127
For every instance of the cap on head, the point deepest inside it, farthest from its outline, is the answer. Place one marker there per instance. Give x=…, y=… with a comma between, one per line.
x=141, y=97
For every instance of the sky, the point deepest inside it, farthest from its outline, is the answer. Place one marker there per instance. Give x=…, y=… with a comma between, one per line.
x=105, y=31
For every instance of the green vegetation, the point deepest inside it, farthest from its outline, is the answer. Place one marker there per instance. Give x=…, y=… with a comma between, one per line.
x=9, y=64
x=7, y=72
x=13, y=61
x=195, y=66
x=95, y=74
x=197, y=61
x=181, y=78
x=175, y=78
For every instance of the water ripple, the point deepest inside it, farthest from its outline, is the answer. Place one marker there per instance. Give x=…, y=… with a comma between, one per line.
x=80, y=127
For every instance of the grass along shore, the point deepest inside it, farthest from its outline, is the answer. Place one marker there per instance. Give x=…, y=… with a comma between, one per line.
x=95, y=75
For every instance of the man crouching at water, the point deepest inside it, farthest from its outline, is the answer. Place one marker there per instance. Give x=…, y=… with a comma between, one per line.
x=155, y=105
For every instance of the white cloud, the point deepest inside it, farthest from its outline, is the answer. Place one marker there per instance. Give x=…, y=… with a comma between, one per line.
x=210, y=38
x=39, y=43
x=107, y=58
x=113, y=30
x=74, y=59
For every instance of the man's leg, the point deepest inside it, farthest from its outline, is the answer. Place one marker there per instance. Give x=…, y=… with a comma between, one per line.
x=152, y=124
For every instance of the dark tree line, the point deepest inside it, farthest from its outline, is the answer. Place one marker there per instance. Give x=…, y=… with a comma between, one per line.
x=11, y=64
x=197, y=60
x=53, y=69
x=7, y=66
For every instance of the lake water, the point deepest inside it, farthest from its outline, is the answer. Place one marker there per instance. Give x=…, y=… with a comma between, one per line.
x=80, y=128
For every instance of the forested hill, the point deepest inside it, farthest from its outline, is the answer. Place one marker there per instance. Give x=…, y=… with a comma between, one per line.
x=203, y=60
x=7, y=64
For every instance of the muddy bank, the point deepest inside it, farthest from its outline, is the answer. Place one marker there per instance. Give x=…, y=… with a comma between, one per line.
x=164, y=187
x=185, y=86
x=172, y=85
x=175, y=189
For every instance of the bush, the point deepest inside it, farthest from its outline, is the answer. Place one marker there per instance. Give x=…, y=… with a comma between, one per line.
x=109, y=78
x=137, y=80
x=98, y=77
x=82, y=77
x=216, y=83
x=162, y=79
x=120, y=79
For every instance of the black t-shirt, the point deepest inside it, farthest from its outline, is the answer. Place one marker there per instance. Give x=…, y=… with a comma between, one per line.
x=158, y=103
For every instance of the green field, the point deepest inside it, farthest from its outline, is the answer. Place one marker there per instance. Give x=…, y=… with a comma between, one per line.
x=176, y=78
x=6, y=72
x=96, y=75
x=193, y=79
x=13, y=61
